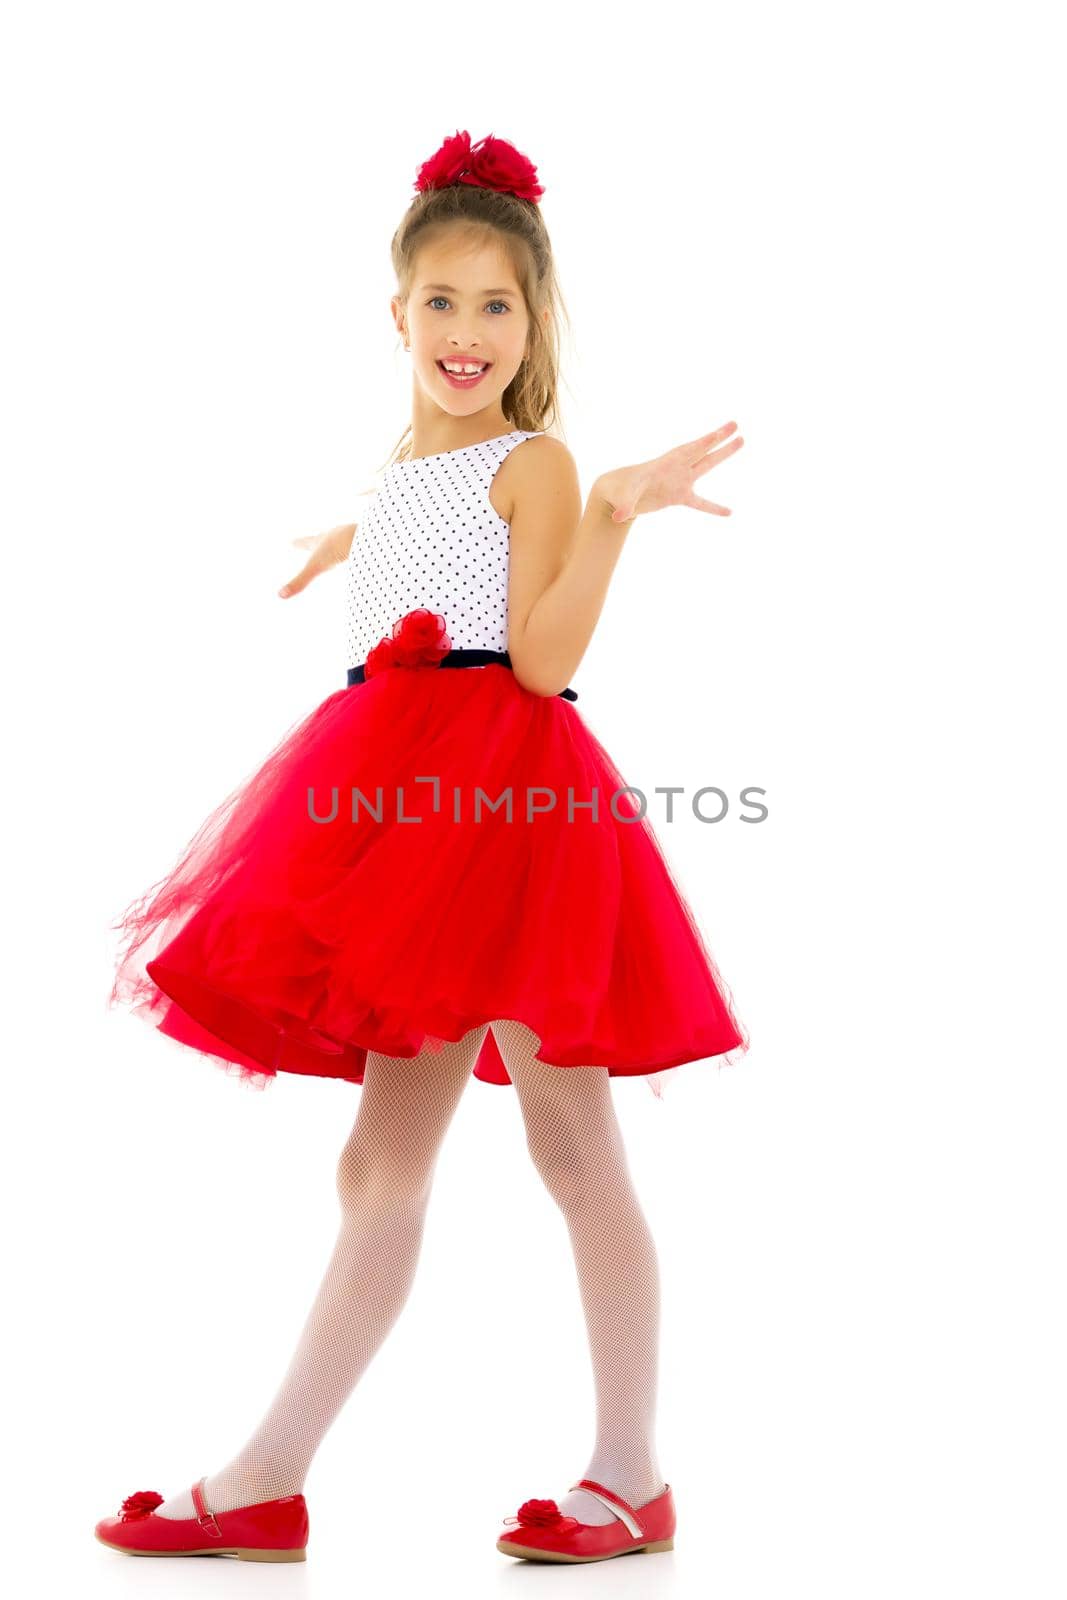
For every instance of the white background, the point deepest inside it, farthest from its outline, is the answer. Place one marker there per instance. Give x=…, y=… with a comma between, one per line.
x=834, y=224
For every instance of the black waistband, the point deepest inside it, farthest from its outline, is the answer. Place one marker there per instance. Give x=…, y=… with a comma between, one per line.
x=462, y=658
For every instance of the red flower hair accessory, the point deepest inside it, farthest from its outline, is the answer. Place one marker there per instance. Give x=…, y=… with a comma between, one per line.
x=139, y=1505
x=543, y=1514
x=491, y=164
x=419, y=639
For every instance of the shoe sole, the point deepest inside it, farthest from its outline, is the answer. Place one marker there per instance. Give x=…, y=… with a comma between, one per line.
x=525, y=1553
x=241, y=1553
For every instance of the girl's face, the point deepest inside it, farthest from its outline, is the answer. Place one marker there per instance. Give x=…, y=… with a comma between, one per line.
x=465, y=306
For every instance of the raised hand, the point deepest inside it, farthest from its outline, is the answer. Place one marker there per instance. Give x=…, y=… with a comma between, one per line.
x=327, y=550
x=668, y=480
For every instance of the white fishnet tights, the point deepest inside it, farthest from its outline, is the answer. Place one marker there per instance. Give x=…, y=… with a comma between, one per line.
x=384, y=1179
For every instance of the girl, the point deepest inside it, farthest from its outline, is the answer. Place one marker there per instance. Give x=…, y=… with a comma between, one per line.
x=525, y=928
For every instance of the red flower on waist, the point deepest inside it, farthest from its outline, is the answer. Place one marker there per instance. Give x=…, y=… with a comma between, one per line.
x=419, y=639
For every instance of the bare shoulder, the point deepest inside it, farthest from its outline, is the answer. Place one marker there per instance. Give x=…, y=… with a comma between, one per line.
x=544, y=513
x=539, y=472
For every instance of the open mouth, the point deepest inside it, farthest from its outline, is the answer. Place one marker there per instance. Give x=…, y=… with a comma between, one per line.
x=463, y=380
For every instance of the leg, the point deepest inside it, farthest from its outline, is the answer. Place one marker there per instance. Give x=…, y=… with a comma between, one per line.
x=575, y=1140
x=384, y=1178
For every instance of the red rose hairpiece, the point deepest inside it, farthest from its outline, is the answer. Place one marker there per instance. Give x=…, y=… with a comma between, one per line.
x=491, y=164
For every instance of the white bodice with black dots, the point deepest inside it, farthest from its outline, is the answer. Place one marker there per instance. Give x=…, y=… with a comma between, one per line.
x=430, y=537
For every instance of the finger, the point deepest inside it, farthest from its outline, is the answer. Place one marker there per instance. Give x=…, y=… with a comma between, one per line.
x=706, y=440
x=700, y=504
x=716, y=456
x=301, y=581
x=306, y=540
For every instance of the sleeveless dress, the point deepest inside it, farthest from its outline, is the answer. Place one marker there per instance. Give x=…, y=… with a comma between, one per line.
x=428, y=850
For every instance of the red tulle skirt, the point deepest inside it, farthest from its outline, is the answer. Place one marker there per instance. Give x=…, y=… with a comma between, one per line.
x=367, y=889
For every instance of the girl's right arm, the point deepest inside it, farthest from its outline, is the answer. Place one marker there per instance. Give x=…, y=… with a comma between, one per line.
x=327, y=550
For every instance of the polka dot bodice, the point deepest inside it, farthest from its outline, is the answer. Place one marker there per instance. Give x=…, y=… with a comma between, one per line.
x=430, y=537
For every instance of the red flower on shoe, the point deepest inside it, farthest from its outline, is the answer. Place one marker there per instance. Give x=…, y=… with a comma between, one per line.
x=419, y=639
x=140, y=1504
x=545, y=1514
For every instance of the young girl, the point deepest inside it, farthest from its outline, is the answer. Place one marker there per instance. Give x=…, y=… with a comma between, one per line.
x=442, y=872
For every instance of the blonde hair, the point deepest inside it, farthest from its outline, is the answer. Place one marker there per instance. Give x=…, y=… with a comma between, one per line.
x=531, y=399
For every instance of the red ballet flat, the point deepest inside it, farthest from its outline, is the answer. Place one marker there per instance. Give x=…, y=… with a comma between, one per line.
x=547, y=1535
x=271, y=1530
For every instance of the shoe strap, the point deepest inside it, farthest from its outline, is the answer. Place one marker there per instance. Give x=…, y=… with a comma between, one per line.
x=622, y=1508
x=205, y=1517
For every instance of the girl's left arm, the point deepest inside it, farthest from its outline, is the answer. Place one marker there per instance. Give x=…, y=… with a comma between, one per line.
x=562, y=562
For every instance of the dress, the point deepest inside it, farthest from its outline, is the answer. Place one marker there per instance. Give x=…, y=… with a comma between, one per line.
x=427, y=850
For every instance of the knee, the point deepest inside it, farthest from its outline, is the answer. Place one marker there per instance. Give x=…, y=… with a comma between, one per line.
x=565, y=1166
x=376, y=1181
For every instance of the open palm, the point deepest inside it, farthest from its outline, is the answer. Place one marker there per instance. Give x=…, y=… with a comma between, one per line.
x=668, y=480
x=327, y=550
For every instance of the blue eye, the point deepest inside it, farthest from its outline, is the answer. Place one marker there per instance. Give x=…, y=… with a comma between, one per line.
x=490, y=302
